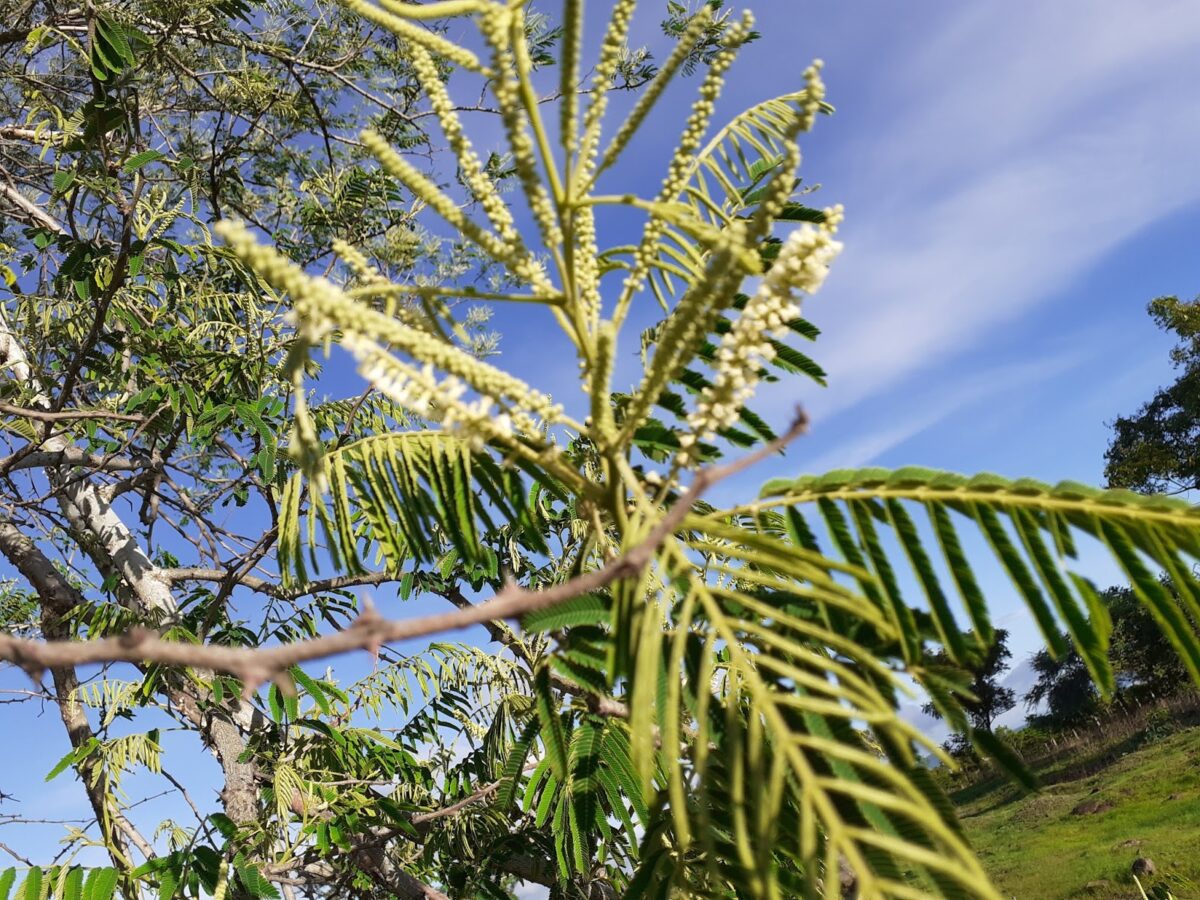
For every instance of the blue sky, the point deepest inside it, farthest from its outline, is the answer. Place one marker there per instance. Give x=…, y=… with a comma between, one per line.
x=1019, y=180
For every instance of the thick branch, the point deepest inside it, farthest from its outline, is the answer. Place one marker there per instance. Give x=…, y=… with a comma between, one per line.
x=58, y=598
x=29, y=210
x=255, y=666
x=73, y=456
x=43, y=415
x=115, y=551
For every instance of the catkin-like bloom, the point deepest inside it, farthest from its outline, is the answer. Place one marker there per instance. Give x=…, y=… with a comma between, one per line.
x=497, y=26
x=654, y=90
x=407, y=31
x=419, y=390
x=814, y=94
x=683, y=162
x=572, y=42
x=358, y=263
x=519, y=262
x=801, y=266
x=320, y=306
x=585, y=257
x=469, y=164
x=372, y=277
x=606, y=67
x=690, y=321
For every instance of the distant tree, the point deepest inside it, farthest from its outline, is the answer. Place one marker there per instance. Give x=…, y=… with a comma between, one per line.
x=1136, y=644
x=1064, y=685
x=989, y=699
x=1157, y=449
x=1136, y=654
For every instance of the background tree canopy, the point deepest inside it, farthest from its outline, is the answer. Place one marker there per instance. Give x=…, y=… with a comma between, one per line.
x=675, y=697
x=1154, y=450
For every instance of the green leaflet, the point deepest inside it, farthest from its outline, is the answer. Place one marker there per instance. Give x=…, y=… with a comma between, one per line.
x=312, y=688
x=940, y=607
x=407, y=496
x=554, y=740
x=1132, y=526
x=255, y=884
x=138, y=160
x=111, y=51
x=32, y=887
x=588, y=609
x=510, y=780
x=960, y=570
x=584, y=787
x=100, y=884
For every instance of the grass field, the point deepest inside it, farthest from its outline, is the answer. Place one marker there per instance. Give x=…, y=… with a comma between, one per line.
x=1144, y=802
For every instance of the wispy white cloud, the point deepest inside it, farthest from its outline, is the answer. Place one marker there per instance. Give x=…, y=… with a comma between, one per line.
x=1016, y=151
x=933, y=407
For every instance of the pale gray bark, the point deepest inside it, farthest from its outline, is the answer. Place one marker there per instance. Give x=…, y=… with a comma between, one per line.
x=115, y=550
x=58, y=597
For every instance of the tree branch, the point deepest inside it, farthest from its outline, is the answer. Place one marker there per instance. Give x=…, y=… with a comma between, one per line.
x=29, y=210
x=42, y=415
x=73, y=456
x=255, y=666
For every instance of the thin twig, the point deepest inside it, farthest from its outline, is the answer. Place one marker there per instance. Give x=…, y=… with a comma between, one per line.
x=42, y=415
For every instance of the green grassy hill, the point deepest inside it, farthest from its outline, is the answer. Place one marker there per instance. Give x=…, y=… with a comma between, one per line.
x=1077, y=837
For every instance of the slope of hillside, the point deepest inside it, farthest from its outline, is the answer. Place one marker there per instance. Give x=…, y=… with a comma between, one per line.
x=1078, y=838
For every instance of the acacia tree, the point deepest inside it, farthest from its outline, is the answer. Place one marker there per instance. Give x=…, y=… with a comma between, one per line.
x=679, y=699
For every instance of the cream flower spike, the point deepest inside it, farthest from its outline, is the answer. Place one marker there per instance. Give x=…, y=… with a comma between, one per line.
x=681, y=165
x=515, y=258
x=318, y=302
x=469, y=163
x=801, y=267
x=606, y=67
x=509, y=75
x=418, y=389
x=406, y=30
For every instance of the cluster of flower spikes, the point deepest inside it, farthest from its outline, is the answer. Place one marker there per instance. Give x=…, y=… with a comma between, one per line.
x=496, y=26
x=615, y=39
x=732, y=255
x=420, y=390
x=800, y=267
x=320, y=307
x=586, y=255
x=469, y=164
x=513, y=256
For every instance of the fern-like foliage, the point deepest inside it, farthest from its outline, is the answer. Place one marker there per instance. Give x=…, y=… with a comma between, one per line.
x=724, y=722
x=402, y=497
x=1031, y=527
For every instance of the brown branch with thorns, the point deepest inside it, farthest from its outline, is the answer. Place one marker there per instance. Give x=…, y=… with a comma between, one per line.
x=256, y=666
